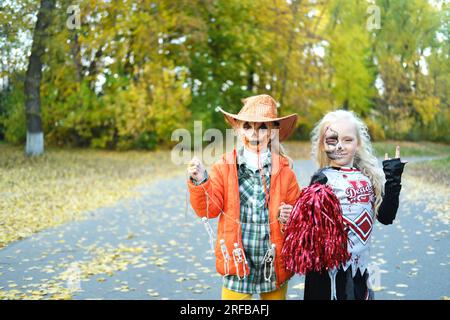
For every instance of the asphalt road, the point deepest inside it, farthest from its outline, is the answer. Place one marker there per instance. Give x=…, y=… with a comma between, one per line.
x=151, y=247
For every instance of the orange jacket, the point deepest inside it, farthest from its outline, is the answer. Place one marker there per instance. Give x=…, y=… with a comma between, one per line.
x=222, y=187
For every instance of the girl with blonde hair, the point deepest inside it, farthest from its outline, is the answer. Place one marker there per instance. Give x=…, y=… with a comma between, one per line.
x=342, y=149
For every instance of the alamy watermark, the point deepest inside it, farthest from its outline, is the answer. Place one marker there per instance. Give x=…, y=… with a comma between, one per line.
x=374, y=19
x=73, y=276
x=374, y=280
x=219, y=143
x=74, y=19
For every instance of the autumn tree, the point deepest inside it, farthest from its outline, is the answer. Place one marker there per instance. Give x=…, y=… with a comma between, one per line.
x=35, y=135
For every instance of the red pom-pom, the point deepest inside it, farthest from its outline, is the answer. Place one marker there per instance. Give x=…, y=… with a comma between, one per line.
x=315, y=235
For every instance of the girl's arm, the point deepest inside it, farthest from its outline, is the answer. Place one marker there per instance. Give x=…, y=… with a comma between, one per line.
x=393, y=170
x=212, y=205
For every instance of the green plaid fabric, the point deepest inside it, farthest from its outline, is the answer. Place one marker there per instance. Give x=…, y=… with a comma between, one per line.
x=255, y=230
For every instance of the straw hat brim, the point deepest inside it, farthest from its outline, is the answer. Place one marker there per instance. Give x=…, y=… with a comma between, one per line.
x=287, y=123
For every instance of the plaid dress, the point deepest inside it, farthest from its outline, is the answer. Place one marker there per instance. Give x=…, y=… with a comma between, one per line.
x=254, y=218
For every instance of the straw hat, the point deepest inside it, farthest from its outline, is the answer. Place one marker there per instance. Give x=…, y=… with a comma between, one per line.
x=262, y=108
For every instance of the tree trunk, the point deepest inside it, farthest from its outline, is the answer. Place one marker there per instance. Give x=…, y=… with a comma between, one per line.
x=76, y=52
x=250, y=79
x=294, y=9
x=35, y=135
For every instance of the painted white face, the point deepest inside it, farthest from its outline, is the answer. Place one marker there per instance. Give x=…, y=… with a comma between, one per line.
x=255, y=135
x=340, y=143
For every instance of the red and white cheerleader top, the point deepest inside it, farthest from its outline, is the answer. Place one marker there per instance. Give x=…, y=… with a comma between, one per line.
x=357, y=199
x=331, y=223
x=356, y=195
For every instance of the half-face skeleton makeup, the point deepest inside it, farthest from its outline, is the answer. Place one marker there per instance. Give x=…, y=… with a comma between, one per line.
x=332, y=144
x=340, y=143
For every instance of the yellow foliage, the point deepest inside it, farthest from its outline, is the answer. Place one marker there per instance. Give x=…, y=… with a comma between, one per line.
x=427, y=107
x=376, y=131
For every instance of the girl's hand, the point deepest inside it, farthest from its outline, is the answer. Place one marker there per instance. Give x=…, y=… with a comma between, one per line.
x=196, y=170
x=285, y=212
x=397, y=155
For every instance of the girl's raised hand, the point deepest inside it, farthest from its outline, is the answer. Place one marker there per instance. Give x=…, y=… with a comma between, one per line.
x=196, y=170
x=397, y=155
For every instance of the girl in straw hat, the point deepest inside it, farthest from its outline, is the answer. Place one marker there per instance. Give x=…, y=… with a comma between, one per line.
x=252, y=191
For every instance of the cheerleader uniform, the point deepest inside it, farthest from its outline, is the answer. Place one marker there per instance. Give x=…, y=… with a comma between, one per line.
x=357, y=199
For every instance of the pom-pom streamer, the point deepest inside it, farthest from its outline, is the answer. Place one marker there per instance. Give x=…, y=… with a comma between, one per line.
x=315, y=235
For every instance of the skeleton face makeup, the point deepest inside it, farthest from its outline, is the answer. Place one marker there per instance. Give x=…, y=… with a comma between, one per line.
x=255, y=135
x=331, y=143
x=340, y=143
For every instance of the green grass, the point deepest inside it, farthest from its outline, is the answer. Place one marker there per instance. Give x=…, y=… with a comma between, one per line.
x=435, y=171
x=440, y=164
x=412, y=149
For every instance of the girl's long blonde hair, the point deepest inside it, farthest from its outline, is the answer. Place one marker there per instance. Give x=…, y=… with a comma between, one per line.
x=364, y=160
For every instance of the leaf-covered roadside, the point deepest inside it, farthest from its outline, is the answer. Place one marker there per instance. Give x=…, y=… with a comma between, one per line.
x=38, y=193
